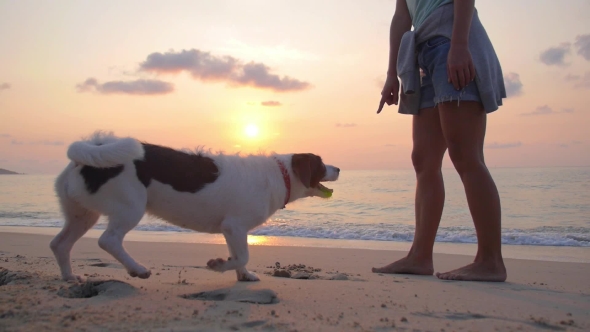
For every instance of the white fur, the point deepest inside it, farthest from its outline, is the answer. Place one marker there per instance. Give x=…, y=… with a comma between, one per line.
x=103, y=149
x=247, y=192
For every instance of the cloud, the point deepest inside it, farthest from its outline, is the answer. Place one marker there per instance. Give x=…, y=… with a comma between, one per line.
x=5, y=86
x=137, y=87
x=582, y=45
x=271, y=103
x=546, y=110
x=513, y=84
x=541, y=110
x=50, y=143
x=556, y=55
x=570, y=143
x=581, y=82
x=201, y=65
x=28, y=161
x=210, y=68
x=496, y=145
x=43, y=142
x=5, y=136
x=258, y=75
x=345, y=125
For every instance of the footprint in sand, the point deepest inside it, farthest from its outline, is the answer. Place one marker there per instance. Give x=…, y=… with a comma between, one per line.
x=8, y=277
x=259, y=296
x=304, y=272
x=103, y=288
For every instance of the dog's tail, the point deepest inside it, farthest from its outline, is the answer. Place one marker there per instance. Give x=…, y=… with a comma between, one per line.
x=103, y=150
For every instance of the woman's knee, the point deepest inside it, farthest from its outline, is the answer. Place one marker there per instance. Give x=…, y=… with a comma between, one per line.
x=426, y=160
x=465, y=158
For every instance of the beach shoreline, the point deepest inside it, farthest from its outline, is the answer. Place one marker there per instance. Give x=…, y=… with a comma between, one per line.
x=538, y=295
x=527, y=252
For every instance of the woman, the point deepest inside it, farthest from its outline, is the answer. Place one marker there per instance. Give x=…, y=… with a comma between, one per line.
x=450, y=79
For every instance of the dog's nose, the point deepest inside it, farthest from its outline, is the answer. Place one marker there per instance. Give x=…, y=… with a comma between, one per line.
x=337, y=169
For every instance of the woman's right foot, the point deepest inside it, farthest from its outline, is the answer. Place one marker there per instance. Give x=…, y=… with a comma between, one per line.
x=407, y=265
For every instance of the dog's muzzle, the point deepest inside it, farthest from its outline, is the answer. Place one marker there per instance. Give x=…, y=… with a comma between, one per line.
x=332, y=174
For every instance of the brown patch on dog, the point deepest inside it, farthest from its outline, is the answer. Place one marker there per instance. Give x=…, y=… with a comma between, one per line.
x=95, y=177
x=309, y=168
x=185, y=172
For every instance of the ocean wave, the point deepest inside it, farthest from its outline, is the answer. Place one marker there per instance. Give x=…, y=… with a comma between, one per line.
x=35, y=215
x=540, y=236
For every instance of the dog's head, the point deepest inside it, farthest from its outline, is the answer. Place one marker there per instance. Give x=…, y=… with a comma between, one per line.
x=310, y=170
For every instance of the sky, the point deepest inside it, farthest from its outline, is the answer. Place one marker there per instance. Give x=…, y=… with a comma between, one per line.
x=271, y=76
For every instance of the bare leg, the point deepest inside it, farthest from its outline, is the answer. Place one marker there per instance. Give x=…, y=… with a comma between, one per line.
x=464, y=129
x=237, y=242
x=78, y=221
x=429, y=149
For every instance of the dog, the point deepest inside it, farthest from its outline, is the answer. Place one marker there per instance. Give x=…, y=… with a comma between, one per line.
x=123, y=178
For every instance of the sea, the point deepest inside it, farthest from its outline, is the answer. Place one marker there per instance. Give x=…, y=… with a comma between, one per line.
x=545, y=214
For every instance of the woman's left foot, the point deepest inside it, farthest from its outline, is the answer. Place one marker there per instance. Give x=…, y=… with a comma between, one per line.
x=477, y=271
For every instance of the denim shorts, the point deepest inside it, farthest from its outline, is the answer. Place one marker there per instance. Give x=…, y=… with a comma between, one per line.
x=435, y=87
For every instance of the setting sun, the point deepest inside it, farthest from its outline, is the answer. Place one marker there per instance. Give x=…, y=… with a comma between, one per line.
x=251, y=130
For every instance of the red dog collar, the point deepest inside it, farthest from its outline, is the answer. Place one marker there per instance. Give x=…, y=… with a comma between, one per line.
x=287, y=180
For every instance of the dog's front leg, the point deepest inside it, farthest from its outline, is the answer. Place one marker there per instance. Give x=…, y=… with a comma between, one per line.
x=237, y=242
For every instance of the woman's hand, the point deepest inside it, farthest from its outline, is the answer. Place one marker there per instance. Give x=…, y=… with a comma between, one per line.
x=390, y=92
x=460, y=69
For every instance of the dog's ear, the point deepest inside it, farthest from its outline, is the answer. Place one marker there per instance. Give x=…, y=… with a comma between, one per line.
x=302, y=168
x=307, y=167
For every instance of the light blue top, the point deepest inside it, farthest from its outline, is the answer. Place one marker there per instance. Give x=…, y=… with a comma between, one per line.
x=421, y=9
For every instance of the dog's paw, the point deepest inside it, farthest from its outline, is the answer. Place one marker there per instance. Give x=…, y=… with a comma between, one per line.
x=247, y=276
x=141, y=273
x=216, y=264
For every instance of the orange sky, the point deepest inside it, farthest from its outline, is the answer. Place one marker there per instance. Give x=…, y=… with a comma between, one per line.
x=306, y=74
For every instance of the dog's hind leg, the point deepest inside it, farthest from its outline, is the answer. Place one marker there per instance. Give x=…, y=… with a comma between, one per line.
x=111, y=241
x=237, y=242
x=78, y=220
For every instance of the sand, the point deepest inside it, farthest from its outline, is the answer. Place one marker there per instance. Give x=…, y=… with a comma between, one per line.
x=319, y=289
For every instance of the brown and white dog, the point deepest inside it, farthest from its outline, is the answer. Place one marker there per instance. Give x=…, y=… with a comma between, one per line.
x=123, y=179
